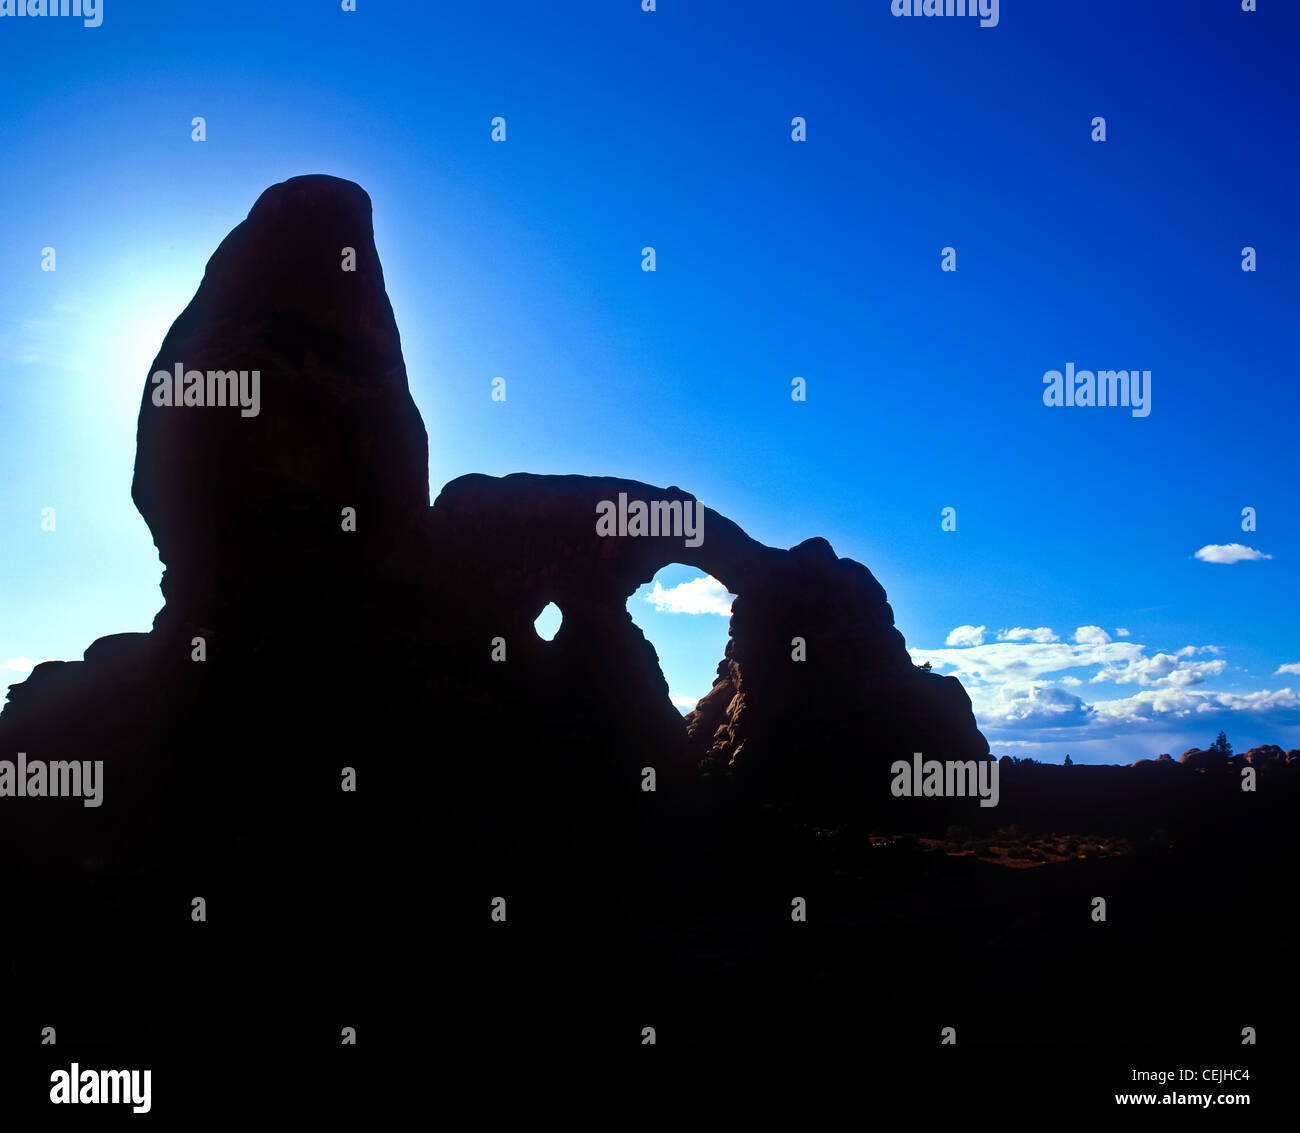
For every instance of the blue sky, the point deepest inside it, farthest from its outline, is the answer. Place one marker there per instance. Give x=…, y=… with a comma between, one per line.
x=775, y=259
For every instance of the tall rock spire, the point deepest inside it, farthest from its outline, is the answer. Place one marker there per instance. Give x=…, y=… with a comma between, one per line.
x=261, y=486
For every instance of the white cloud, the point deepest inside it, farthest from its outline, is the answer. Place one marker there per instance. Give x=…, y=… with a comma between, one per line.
x=21, y=667
x=1000, y=662
x=1041, y=635
x=1229, y=553
x=1025, y=705
x=1180, y=703
x=1292, y=667
x=1114, y=662
x=1160, y=670
x=704, y=595
x=684, y=701
x=1091, y=635
x=1121, y=632
x=1026, y=690
x=1027, y=711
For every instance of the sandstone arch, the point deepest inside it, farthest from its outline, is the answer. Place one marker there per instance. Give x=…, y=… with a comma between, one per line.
x=853, y=706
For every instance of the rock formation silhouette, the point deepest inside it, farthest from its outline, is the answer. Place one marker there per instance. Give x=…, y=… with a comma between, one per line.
x=320, y=616
x=295, y=641
x=262, y=575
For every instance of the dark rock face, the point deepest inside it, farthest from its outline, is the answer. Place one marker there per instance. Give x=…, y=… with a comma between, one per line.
x=269, y=601
x=856, y=697
x=233, y=499
x=223, y=757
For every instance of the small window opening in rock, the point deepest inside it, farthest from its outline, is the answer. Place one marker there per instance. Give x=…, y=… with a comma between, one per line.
x=548, y=622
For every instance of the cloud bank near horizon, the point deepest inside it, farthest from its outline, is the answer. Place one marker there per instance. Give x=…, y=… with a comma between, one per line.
x=1030, y=689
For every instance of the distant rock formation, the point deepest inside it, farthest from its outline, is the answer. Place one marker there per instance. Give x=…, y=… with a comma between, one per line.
x=1160, y=763
x=1265, y=755
x=1198, y=759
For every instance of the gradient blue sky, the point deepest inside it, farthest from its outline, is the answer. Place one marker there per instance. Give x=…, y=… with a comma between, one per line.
x=775, y=259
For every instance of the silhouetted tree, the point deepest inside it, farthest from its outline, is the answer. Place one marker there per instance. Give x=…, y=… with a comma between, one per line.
x=925, y=667
x=1068, y=761
x=1221, y=744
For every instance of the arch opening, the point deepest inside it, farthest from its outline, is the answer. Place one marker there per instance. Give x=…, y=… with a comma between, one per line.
x=684, y=613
